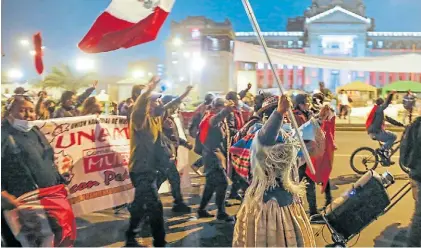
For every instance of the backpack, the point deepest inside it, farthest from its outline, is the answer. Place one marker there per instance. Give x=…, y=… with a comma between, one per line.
x=370, y=117
x=409, y=145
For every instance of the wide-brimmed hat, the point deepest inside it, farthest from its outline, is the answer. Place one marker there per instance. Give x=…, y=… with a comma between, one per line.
x=20, y=91
x=268, y=103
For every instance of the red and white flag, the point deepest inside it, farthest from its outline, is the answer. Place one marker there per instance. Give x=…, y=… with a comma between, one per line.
x=126, y=23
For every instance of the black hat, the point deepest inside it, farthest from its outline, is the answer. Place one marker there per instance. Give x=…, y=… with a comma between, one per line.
x=209, y=98
x=232, y=95
x=300, y=99
x=167, y=98
x=218, y=102
x=20, y=91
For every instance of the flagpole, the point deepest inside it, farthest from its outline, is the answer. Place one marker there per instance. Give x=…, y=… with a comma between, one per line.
x=255, y=24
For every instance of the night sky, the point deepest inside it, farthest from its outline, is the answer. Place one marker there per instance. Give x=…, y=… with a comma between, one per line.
x=64, y=22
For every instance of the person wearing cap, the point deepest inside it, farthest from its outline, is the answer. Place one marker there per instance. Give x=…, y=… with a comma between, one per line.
x=169, y=170
x=302, y=115
x=325, y=91
x=20, y=91
x=147, y=155
x=408, y=102
x=70, y=102
x=194, y=128
x=213, y=134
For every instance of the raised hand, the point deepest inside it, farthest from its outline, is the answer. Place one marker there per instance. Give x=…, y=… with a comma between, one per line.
x=284, y=103
x=153, y=82
x=95, y=84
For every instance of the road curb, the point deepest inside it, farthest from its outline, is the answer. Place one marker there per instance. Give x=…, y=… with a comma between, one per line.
x=362, y=128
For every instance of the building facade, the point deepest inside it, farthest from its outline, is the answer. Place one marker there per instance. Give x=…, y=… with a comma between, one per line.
x=335, y=28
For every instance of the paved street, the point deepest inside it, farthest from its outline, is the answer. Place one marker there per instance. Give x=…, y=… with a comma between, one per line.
x=106, y=229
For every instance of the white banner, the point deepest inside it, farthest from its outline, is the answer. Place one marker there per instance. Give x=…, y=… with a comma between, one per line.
x=95, y=152
x=396, y=63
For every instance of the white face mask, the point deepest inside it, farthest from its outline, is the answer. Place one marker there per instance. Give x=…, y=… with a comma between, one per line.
x=22, y=125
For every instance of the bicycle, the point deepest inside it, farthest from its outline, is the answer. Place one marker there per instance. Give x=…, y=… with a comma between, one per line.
x=375, y=157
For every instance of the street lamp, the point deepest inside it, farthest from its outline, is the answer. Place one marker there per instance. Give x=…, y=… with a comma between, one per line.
x=24, y=42
x=84, y=64
x=138, y=74
x=15, y=74
x=177, y=42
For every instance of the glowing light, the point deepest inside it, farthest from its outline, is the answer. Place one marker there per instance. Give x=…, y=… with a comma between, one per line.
x=177, y=42
x=198, y=63
x=24, y=42
x=15, y=74
x=85, y=64
x=138, y=74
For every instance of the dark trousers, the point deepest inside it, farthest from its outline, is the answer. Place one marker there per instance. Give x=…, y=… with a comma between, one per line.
x=146, y=203
x=171, y=173
x=414, y=238
x=7, y=235
x=311, y=191
x=343, y=110
x=237, y=183
x=216, y=182
x=199, y=162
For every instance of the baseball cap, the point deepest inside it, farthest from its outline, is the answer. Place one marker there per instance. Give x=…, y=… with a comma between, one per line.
x=20, y=90
x=155, y=95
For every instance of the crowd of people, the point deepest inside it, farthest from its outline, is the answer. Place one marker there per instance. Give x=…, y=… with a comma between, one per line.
x=261, y=156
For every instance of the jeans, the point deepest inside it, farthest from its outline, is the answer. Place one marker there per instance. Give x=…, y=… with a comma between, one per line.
x=171, y=173
x=311, y=191
x=414, y=238
x=237, y=183
x=198, y=163
x=147, y=203
x=387, y=137
x=216, y=182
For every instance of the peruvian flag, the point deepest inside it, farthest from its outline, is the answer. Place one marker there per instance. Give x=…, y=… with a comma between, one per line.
x=39, y=65
x=126, y=23
x=44, y=219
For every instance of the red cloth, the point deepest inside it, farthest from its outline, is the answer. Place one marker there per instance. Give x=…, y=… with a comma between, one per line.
x=204, y=127
x=323, y=164
x=370, y=117
x=44, y=219
x=125, y=24
x=39, y=65
x=238, y=119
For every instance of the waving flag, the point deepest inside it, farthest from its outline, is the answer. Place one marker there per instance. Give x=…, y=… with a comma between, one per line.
x=39, y=65
x=126, y=23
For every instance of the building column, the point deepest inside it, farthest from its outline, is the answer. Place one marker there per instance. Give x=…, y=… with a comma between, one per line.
x=294, y=78
x=407, y=76
x=285, y=79
x=377, y=79
x=387, y=80
x=265, y=76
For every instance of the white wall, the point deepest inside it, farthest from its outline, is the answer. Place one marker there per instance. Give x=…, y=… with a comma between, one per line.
x=245, y=77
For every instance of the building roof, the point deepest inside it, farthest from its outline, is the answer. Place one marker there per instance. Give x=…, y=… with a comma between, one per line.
x=394, y=34
x=336, y=9
x=298, y=34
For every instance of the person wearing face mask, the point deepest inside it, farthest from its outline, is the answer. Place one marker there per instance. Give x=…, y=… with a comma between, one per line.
x=302, y=114
x=70, y=102
x=28, y=174
x=91, y=106
x=147, y=154
x=214, y=134
x=169, y=171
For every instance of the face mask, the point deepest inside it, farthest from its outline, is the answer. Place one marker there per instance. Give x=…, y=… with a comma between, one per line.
x=287, y=127
x=22, y=125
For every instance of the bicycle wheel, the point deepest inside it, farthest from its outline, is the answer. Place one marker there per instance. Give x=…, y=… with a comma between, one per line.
x=364, y=159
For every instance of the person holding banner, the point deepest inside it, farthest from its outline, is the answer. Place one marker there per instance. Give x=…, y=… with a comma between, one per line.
x=70, y=103
x=147, y=155
x=34, y=196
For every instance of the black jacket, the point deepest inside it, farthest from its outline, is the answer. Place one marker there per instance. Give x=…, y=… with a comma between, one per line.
x=376, y=125
x=410, y=151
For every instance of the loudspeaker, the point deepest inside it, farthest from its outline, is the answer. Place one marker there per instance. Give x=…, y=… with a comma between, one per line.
x=359, y=206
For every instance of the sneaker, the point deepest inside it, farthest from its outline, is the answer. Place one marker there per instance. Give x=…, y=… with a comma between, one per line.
x=224, y=217
x=196, y=170
x=181, y=208
x=235, y=197
x=317, y=219
x=204, y=214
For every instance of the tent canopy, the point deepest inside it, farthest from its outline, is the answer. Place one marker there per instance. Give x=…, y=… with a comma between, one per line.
x=410, y=62
x=357, y=86
x=402, y=86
